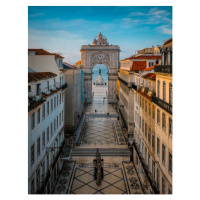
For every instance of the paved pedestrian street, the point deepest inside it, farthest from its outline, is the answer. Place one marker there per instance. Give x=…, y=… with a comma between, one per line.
x=103, y=132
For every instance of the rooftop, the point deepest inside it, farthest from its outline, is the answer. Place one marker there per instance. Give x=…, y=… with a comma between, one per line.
x=140, y=56
x=138, y=65
x=44, y=52
x=35, y=76
x=150, y=76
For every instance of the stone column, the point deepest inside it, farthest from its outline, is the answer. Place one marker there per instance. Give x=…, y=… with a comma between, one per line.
x=88, y=87
x=112, y=87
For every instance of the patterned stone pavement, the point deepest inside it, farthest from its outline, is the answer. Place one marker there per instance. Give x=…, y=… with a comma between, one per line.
x=103, y=132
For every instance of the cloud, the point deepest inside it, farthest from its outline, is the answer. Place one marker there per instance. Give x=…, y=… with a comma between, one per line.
x=165, y=29
x=64, y=42
x=36, y=14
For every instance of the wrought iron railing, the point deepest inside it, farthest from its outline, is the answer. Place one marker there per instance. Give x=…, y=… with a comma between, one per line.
x=145, y=168
x=128, y=84
x=164, y=105
x=64, y=86
x=164, y=69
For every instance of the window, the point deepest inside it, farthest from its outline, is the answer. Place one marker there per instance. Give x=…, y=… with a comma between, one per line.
x=170, y=126
x=43, y=112
x=43, y=170
x=33, y=186
x=52, y=105
x=38, y=179
x=47, y=86
x=33, y=121
x=170, y=162
x=149, y=162
x=158, y=89
x=60, y=119
x=57, y=121
x=143, y=126
x=47, y=134
x=163, y=153
x=54, y=83
x=164, y=91
x=54, y=102
x=158, y=146
x=29, y=88
x=51, y=129
x=153, y=141
x=149, y=136
x=38, y=116
x=142, y=103
x=163, y=185
x=158, y=116
x=38, y=89
x=62, y=115
x=151, y=64
x=48, y=108
x=153, y=112
x=146, y=155
x=143, y=150
x=32, y=154
x=158, y=179
x=57, y=100
x=145, y=106
x=140, y=122
x=60, y=98
x=47, y=162
x=38, y=146
x=43, y=140
x=163, y=121
x=170, y=93
x=149, y=109
x=54, y=124
x=153, y=170
x=146, y=130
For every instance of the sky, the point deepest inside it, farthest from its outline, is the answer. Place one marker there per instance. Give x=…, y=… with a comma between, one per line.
x=65, y=29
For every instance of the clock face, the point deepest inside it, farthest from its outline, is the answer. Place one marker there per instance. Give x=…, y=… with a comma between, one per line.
x=100, y=57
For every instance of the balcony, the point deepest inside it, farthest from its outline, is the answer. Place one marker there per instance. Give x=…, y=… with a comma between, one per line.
x=164, y=69
x=64, y=86
x=128, y=84
x=165, y=106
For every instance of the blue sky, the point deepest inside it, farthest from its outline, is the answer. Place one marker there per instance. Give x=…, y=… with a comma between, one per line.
x=64, y=29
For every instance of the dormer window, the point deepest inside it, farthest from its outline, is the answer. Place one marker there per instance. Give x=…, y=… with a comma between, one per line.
x=55, y=83
x=47, y=85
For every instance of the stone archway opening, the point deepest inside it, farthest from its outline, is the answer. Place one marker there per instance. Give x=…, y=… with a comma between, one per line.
x=100, y=81
x=100, y=52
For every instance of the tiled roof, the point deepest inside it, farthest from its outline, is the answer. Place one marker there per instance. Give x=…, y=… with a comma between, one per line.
x=149, y=68
x=44, y=52
x=169, y=41
x=150, y=76
x=138, y=65
x=143, y=57
x=35, y=76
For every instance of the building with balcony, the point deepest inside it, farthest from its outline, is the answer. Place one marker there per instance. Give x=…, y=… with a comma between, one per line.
x=152, y=107
x=130, y=79
x=46, y=100
x=45, y=131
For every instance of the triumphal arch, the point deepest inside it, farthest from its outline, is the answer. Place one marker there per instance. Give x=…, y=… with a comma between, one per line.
x=100, y=52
